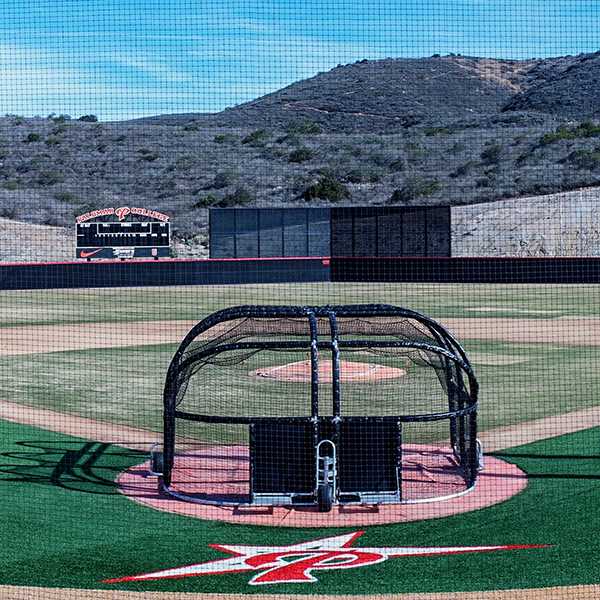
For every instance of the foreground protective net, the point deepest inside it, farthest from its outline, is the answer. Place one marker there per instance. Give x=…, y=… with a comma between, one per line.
x=210, y=213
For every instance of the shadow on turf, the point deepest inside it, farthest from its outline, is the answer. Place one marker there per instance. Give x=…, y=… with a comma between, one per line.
x=561, y=458
x=90, y=467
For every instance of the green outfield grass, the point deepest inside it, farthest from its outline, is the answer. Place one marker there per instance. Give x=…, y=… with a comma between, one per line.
x=66, y=525
x=124, y=385
x=39, y=307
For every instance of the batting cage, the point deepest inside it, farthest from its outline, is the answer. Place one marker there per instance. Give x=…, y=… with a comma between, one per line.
x=366, y=404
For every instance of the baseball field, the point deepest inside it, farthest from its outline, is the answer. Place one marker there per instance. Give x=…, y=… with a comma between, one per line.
x=81, y=402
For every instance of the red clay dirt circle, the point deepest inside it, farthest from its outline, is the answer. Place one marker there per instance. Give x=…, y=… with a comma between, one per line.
x=222, y=472
x=350, y=372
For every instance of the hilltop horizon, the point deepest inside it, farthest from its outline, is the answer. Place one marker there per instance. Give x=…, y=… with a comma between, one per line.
x=533, y=60
x=392, y=94
x=121, y=61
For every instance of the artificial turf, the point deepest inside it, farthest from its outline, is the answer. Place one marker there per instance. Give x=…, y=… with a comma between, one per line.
x=66, y=525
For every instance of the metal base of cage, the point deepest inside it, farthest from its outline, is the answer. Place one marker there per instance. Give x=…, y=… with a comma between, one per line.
x=296, y=500
x=368, y=450
x=325, y=461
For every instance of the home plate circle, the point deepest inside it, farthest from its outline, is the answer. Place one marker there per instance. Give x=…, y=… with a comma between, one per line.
x=221, y=474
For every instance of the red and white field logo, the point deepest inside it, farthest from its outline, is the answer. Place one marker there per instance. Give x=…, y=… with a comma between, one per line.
x=298, y=562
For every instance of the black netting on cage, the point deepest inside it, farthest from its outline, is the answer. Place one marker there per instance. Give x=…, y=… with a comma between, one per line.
x=324, y=394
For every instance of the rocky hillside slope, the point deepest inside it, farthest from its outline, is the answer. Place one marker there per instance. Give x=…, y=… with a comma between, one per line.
x=390, y=95
x=439, y=130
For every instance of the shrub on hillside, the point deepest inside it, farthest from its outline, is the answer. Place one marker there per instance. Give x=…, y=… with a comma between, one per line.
x=240, y=197
x=305, y=127
x=328, y=187
x=431, y=131
x=59, y=129
x=148, y=155
x=301, y=154
x=206, y=201
x=256, y=138
x=65, y=196
x=32, y=137
x=223, y=179
x=463, y=170
x=88, y=118
x=363, y=175
x=586, y=129
x=491, y=155
x=586, y=159
x=457, y=148
x=413, y=189
x=47, y=178
x=225, y=138
x=391, y=162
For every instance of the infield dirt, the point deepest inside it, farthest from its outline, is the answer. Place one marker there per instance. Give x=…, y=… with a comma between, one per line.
x=38, y=339
x=578, y=592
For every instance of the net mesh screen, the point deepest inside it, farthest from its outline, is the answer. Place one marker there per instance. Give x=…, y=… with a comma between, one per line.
x=273, y=369
x=162, y=161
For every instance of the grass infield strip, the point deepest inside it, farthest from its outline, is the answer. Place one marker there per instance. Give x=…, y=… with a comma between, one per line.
x=549, y=381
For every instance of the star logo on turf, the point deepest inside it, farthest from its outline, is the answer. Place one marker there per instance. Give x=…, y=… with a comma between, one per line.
x=297, y=563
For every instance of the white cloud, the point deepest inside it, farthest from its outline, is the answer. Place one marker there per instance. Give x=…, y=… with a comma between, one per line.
x=37, y=82
x=162, y=69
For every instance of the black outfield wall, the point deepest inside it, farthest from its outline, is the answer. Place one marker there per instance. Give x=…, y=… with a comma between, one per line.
x=301, y=270
x=269, y=232
x=160, y=273
x=390, y=231
x=367, y=231
x=467, y=270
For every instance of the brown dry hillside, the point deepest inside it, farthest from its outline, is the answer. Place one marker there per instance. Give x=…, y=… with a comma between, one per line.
x=419, y=131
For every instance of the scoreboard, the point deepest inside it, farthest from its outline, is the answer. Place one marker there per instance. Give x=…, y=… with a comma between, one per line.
x=123, y=240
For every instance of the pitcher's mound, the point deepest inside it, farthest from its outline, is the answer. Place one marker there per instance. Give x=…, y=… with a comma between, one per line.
x=350, y=372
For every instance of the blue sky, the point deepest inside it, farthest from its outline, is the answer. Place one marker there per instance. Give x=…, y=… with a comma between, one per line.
x=120, y=59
